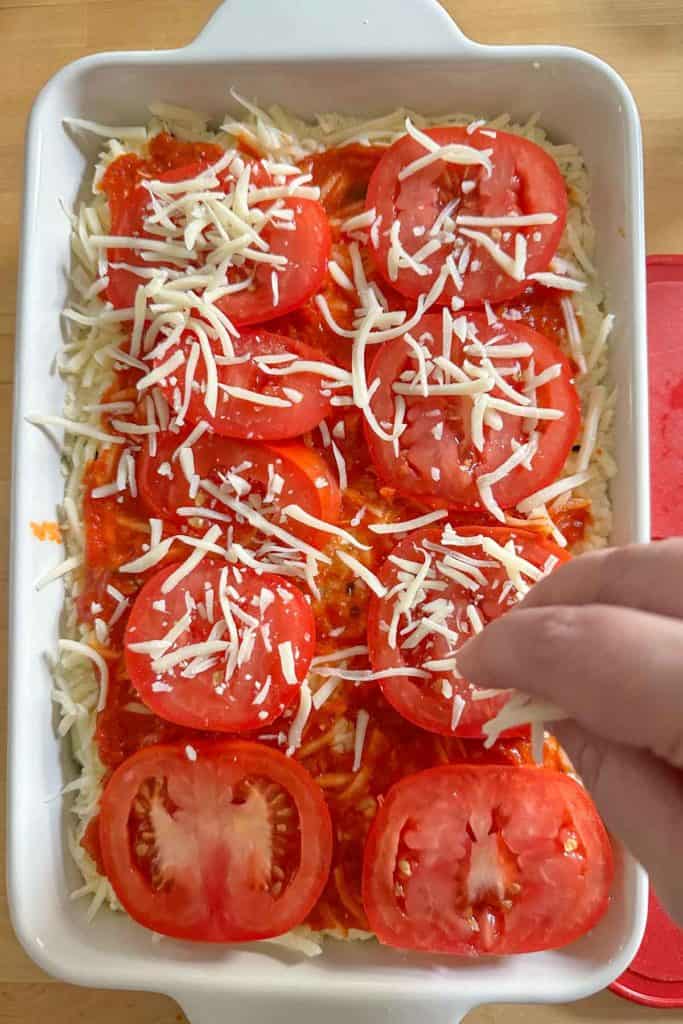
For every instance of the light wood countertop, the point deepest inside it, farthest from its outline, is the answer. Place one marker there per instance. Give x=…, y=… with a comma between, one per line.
x=642, y=39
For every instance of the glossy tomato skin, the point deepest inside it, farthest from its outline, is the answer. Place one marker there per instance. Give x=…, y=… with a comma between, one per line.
x=458, y=461
x=423, y=702
x=524, y=180
x=478, y=859
x=300, y=468
x=257, y=692
x=194, y=880
x=307, y=250
x=169, y=160
x=237, y=417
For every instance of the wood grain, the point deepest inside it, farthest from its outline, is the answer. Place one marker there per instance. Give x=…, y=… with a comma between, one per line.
x=642, y=40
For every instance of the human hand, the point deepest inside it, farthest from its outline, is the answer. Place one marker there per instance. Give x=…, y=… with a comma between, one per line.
x=602, y=636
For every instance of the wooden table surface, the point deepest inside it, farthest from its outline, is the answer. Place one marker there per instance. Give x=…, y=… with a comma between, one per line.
x=642, y=39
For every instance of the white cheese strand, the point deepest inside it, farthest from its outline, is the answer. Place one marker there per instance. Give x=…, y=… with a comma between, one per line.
x=451, y=153
x=591, y=426
x=409, y=524
x=552, y=491
x=298, y=725
x=362, y=719
x=368, y=577
x=286, y=655
x=65, y=567
x=76, y=647
x=297, y=513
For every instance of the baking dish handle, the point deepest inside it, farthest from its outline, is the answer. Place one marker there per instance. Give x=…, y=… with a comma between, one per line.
x=229, y=1008
x=353, y=28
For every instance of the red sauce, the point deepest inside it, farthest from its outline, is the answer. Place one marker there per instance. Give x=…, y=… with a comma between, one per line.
x=117, y=527
x=343, y=176
x=126, y=725
x=573, y=520
x=166, y=153
x=90, y=841
x=540, y=308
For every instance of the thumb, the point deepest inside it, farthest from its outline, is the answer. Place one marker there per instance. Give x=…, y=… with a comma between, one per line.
x=641, y=801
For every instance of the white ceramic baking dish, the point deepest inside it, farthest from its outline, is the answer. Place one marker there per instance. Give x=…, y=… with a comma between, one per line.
x=362, y=56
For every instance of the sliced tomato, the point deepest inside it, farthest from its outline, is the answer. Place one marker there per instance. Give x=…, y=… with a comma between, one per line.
x=215, y=842
x=305, y=247
x=308, y=323
x=114, y=526
x=441, y=464
x=286, y=416
x=440, y=699
x=268, y=477
x=486, y=860
x=523, y=180
x=169, y=160
x=238, y=682
x=306, y=250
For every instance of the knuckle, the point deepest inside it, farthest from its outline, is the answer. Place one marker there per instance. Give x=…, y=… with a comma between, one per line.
x=615, y=562
x=671, y=749
x=632, y=575
x=559, y=630
x=668, y=550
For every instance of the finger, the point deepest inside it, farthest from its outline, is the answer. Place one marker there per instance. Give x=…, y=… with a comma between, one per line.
x=619, y=672
x=645, y=576
x=641, y=802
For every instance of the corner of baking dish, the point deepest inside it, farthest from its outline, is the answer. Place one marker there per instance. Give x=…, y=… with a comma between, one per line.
x=309, y=70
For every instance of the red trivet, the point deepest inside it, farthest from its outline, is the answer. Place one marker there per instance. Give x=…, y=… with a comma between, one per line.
x=655, y=978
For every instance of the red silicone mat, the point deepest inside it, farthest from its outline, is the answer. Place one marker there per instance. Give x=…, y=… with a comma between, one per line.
x=665, y=343
x=655, y=978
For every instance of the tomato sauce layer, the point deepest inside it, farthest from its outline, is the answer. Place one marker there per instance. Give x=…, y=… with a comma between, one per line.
x=117, y=526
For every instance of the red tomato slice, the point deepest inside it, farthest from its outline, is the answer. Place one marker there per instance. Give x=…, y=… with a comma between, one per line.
x=290, y=417
x=306, y=247
x=238, y=683
x=128, y=207
x=305, y=478
x=443, y=468
x=443, y=701
x=524, y=180
x=486, y=860
x=215, y=842
x=306, y=250
x=113, y=525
